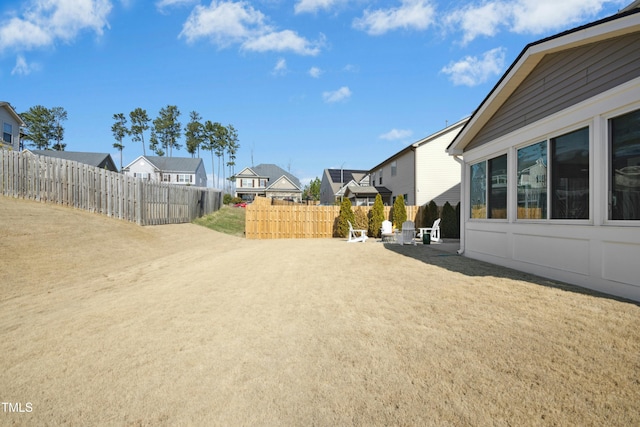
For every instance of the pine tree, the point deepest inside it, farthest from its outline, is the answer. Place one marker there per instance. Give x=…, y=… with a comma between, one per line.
x=346, y=214
x=399, y=212
x=376, y=216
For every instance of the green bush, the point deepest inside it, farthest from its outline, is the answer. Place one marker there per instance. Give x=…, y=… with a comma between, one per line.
x=448, y=224
x=346, y=214
x=399, y=212
x=226, y=199
x=376, y=216
x=430, y=214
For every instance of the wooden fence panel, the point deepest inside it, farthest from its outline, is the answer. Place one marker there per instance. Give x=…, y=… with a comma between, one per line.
x=264, y=221
x=50, y=180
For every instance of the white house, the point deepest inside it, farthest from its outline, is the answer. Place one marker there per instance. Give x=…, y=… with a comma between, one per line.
x=267, y=180
x=172, y=170
x=422, y=171
x=11, y=124
x=551, y=160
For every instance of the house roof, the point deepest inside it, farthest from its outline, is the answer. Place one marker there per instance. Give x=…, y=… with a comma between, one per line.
x=625, y=22
x=345, y=175
x=270, y=171
x=459, y=124
x=12, y=112
x=92, y=159
x=172, y=164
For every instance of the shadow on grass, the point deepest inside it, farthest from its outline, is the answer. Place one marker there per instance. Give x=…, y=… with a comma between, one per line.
x=446, y=256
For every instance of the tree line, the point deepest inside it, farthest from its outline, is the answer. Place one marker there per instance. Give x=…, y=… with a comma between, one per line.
x=166, y=131
x=44, y=127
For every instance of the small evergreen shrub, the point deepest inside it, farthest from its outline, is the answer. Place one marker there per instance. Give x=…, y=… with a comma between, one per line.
x=376, y=216
x=360, y=220
x=346, y=214
x=399, y=212
x=430, y=214
x=458, y=221
x=226, y=199
x=448, y=223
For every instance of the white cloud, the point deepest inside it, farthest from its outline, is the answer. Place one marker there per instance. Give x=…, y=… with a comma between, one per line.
x=163, y=4
x=395, y=134
x=46, y=21
x=472, y=71
x=23, y=68
x=280, y=68
x=227, y=23
x=534, y=17
x=315, y=72
x=341, y=94
x=282, y=41
x=312, y=6
x=412, y=14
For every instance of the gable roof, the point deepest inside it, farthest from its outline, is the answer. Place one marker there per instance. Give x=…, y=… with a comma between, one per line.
x=272, y=172
x=284, y=184
x=427, y=139
x=343, y=176
x=93, y=159
x=171, y=164
x=12, y=112
x=625, y=22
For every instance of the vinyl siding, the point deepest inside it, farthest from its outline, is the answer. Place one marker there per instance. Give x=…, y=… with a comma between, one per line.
x=438, y=174
x=563, y=79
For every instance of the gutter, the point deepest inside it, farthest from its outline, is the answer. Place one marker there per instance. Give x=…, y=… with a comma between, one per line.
x=463, y=203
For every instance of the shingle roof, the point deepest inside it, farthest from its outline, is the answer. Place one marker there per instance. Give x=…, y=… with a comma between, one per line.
x=274, y=172
x=175, y=164
x=92, y=159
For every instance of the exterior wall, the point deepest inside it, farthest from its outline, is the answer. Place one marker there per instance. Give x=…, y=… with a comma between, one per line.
x=437, y=173
x=403, y=182
x=564, y=79
x=141, y=165
x=595, y=253
x=5, y=117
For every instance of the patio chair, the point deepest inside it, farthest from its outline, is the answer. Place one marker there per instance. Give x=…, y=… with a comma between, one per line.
x=434, y=230
x=356, y=235
x=386, y=231
x=407, y=235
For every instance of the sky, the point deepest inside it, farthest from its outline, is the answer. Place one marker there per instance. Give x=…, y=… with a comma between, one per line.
x=308, y=84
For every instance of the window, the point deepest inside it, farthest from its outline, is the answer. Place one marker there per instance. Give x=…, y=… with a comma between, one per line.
x=246, y=183
x=624, y=186
x=7, y=133
x=263, y=183
x=478, y=190
x=570, y=175
x=489, y=188
x=532, y=181
x=183, y=178
x=394, y=168
x=380, y=177
x=166, y=177
x=141, y=175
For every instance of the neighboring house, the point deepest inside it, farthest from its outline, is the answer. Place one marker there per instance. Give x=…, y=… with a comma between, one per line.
x=335, y=182
x=267, y=180
x=11, y=124
x=172, y=170
x=551, y=160
x=100, y=160
x=423, y=171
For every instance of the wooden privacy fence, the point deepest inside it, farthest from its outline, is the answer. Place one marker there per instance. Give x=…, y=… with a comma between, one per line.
x=51, y=180
x=264, y=221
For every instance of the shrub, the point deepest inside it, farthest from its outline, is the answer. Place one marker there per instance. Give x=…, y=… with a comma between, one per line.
x=376, y=216
x=430, y=214
x=360, y=220
x=226, y=199
x=457, y=221
x=399, y=212
x=346, y=214
x=448, y=223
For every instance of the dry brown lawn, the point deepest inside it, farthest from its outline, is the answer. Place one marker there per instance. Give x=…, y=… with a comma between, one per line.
x=103, y=322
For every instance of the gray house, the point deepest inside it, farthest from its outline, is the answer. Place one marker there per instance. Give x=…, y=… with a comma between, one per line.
x=172, y=170
x=336, y=183
x=11, y=124
x=551, y=160
x=267, y=180
x=100, y=160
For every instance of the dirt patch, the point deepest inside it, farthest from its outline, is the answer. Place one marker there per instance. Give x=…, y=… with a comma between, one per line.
x=106, y=322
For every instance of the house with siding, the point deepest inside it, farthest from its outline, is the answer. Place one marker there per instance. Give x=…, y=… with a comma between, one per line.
x=11, y=124
x=335, y=185
x=267, y=180
x=171, y=170
x=99, y=160
x=551, y=160
x=423, y=171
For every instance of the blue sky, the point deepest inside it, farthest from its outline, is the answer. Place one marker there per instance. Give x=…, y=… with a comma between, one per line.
x=308, y=84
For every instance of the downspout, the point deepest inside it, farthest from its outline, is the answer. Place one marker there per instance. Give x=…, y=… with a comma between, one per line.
x=462, y=202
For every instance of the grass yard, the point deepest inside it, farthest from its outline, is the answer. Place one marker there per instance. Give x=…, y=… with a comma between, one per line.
x=228, y=220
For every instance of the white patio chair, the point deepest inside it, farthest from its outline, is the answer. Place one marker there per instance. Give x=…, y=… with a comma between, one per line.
x=407, y=235
x=434, y=230
x=386, y=231
x=356, y=235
